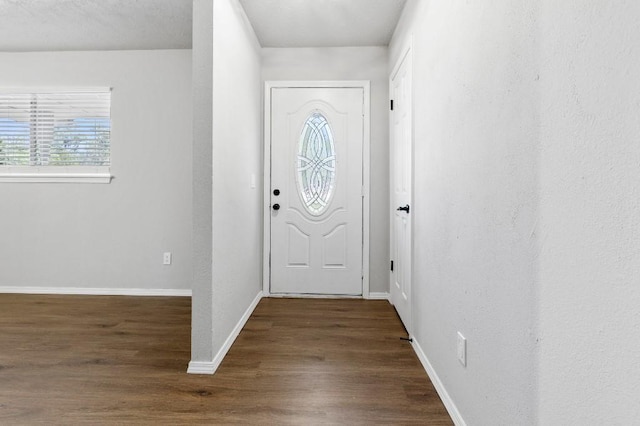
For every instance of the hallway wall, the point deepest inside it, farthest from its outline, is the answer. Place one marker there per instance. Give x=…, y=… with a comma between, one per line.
x=237, y=155
x=590, y=213
x=475, y=200
x=351, y=63
x=227, y=152
x=526, y=206
x=202, y=176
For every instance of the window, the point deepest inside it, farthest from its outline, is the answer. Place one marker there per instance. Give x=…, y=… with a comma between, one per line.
x=316, y=164
x=55, y=135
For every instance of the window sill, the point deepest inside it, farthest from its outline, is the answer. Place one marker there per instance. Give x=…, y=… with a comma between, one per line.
x=38, y=175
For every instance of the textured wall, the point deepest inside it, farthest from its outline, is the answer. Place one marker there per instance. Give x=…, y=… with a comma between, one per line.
x=352, y=63
x=227, y=152
x=108, y=236
x=237, y=154
x=201, y=302
x=526, y=209
x=475, y=205
x=589, y=227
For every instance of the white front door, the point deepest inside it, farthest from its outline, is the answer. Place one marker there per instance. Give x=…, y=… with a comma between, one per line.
x=316, y=190
x=401, y=175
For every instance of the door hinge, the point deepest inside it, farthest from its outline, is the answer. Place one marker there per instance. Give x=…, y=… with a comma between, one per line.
x=392, y=266
x=391, y=104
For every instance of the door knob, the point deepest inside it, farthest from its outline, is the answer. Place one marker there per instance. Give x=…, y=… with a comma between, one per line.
x=276, y=206
x=404, y=209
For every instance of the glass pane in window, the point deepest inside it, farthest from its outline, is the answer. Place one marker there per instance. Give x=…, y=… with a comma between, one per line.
x=316, y=164
x=55, y=129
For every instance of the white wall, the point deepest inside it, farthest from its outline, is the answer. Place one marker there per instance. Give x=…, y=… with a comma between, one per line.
x=526, y=210
x=236, y=141
x=108, y=236
x=351, y=63
x=476, y=141
x=590, y=213
x=202, y=299
x=237, y=154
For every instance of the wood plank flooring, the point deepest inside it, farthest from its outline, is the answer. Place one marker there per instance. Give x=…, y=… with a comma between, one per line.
x=97, y=360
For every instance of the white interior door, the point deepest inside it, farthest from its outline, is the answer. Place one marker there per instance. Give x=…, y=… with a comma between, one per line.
x=401, y=175
x=316, y=191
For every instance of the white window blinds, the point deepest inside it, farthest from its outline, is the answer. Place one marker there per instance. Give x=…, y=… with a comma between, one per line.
x=55, y=128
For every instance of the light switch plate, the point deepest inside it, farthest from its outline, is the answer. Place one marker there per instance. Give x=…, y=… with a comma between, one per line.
x=462, y=349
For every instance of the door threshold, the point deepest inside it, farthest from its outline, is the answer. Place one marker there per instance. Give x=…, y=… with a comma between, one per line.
x=314, y=296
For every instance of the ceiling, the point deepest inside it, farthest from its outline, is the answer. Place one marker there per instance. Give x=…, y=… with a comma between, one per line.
x=31, y=25
x=49, y=25
x=323, y=23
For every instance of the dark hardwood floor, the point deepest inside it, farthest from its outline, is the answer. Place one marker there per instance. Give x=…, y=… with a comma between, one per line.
x=72, y=360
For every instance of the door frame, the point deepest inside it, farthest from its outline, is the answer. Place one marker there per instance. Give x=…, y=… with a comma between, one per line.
x=405, y=52
x=366, y=150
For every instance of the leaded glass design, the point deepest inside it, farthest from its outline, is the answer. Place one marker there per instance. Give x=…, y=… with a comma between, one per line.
x=316, y=164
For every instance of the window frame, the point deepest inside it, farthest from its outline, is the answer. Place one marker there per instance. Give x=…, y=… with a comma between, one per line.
x=57, y=174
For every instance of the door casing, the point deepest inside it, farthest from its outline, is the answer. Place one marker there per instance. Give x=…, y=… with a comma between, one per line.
x=366, y=152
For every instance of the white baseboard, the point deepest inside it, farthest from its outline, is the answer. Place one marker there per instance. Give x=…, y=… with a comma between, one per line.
x=437, y=383
x=88, y=291
x=378, y=296
x=200, y=367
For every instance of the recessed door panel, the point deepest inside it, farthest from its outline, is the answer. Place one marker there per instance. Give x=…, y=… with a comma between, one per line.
x=298, y=247
x=334, y=253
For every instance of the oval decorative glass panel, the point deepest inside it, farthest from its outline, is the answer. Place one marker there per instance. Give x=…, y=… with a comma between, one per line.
x=316, y=164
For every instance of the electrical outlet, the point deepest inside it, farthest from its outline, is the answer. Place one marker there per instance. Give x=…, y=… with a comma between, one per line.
x=462, y=349
x=166, y=258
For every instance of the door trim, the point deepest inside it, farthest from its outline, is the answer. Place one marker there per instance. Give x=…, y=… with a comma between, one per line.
x=366, y=150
